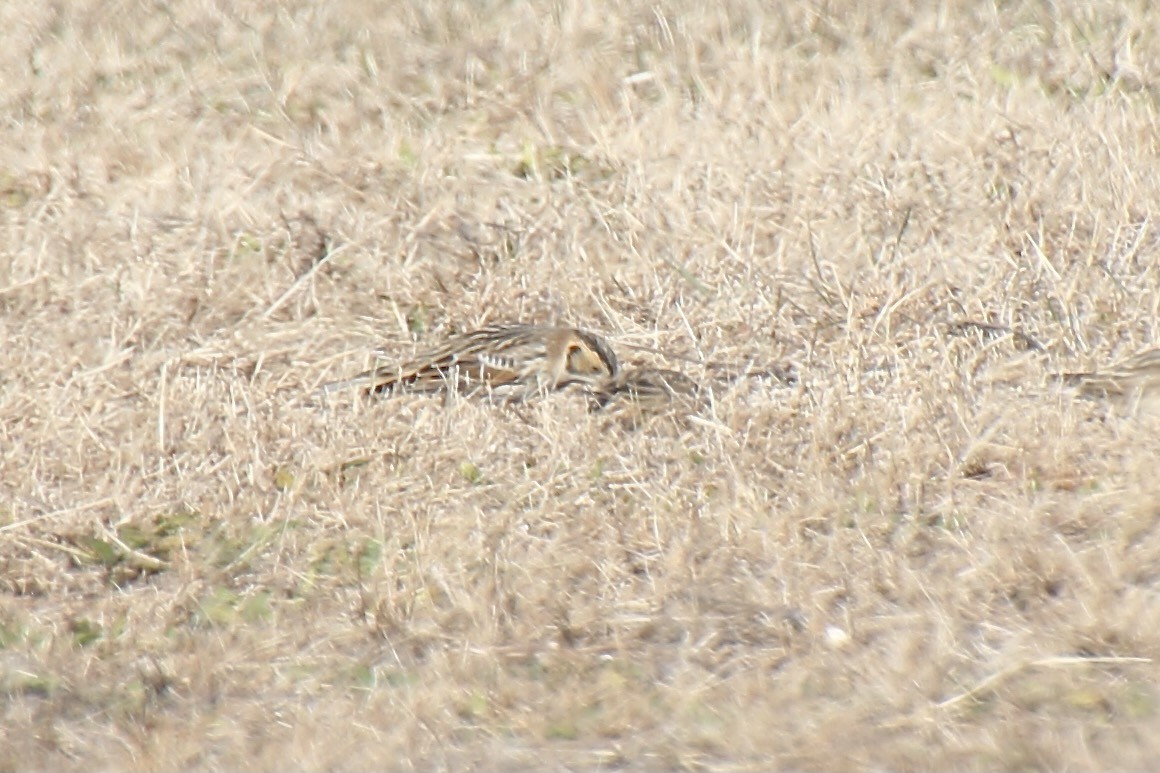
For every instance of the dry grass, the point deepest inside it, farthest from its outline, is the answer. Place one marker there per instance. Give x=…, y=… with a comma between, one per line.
x=924, y=553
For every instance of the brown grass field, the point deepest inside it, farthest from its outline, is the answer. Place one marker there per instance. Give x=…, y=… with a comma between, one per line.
x=889, y=539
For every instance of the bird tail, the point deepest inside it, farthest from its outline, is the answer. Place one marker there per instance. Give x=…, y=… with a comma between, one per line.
x=371, y=381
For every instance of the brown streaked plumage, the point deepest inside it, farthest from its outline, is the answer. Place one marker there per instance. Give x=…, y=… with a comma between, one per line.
x=639, y=390
x=512, y=360
x=1137, y=375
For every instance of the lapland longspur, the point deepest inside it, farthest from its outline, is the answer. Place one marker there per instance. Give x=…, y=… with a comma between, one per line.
x=642, y=390
x=512, y=361
x=1137, y=375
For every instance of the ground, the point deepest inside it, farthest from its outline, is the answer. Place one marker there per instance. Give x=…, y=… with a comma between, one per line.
x=873, y=231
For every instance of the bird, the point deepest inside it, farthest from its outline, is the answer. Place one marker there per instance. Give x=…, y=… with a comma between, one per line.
x=635, y=391
x=512, y=361
x=1137, y=375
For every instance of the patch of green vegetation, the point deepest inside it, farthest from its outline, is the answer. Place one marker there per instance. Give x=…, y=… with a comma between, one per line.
x=10, y=633
x=134, y=536
x=138, y=547
x=224, y=607
x=341, y=561
x=228, y=549
x=1003, y=76
x=370, y=554
x=104, y=553
x=473, y=706
x=406, y=153
x=218, y=608
x=471, y=473
x=1087, y=700
x=134, y=696
x=256, y=608
x=13, y=194
x=85, y=632
x=361, y=675
x=332, y=558
x=20, y=682
x=168, y=524
x=554, y=163
x=563, y=730
x=417, y=319
x=246, y=246
x=397, y=677
x=284, y=479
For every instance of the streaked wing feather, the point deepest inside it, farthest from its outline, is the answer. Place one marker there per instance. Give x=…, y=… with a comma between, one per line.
x=466, y=361
x=647, y=387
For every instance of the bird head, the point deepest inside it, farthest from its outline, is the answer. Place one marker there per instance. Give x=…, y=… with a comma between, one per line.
x=589, y=359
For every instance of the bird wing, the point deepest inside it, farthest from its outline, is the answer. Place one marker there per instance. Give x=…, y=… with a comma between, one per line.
x=496, y=355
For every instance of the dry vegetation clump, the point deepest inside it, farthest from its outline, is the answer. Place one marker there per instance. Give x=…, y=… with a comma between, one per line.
x=895, y=530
